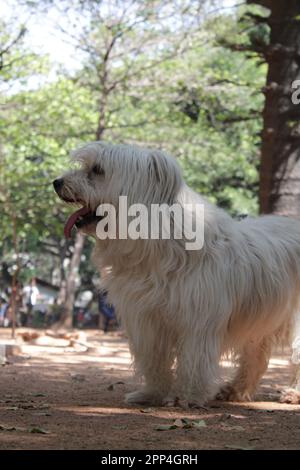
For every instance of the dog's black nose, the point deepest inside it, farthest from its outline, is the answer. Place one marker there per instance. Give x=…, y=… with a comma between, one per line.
x=58, y=184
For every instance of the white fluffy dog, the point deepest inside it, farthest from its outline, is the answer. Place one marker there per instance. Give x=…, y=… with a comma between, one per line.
x=182, y=310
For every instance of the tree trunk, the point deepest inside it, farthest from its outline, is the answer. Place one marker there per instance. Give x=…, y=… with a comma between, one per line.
x=15, y=282
x=280, y=155
x=62, y=294
x=66, y=320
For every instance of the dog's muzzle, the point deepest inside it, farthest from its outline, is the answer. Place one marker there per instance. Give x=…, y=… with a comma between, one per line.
x=81, y=217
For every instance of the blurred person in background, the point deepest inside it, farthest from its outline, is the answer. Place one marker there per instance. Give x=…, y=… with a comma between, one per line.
x=30, y=293
x=106, y=310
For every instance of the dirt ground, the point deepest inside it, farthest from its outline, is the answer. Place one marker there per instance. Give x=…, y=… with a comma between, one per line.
x=56, y=398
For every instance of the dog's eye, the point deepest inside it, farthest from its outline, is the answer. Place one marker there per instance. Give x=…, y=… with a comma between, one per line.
x=97, y=170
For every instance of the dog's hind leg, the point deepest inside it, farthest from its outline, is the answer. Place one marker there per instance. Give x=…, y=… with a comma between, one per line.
x=153, y=350
x=253, y=363
x=292, y=394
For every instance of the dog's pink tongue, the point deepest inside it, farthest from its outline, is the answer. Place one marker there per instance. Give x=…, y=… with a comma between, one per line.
x=73, y=219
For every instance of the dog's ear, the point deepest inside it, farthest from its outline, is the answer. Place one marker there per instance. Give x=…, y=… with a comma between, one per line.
x=165, y=175
x=154, y=168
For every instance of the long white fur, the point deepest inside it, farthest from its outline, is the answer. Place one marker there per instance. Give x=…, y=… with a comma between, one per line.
x=183, y=309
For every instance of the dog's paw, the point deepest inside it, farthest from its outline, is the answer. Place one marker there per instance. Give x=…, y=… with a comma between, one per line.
x=291, y=396
x=229, y=393
x=141, y=397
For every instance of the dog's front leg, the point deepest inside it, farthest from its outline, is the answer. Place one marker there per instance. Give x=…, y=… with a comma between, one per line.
x=152, y=347
x=197, y=373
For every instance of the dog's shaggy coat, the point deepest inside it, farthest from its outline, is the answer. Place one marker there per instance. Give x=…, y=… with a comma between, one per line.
x=182, y=310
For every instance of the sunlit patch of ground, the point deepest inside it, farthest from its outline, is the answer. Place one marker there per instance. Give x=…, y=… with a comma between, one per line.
x=53, y=398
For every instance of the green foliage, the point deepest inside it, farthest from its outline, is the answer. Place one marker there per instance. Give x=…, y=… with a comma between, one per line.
x=201, y=104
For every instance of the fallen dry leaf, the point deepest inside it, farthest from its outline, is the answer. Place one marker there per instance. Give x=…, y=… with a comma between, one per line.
x=227, y=427
x=36, y=430
x=199, y=424
x=120, y=427
x=238, y=447
x=165, y=427
x=10, y=428
x=182, y=423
